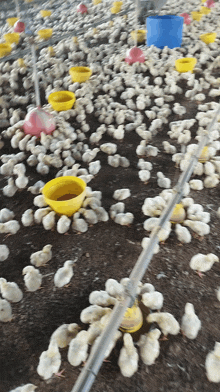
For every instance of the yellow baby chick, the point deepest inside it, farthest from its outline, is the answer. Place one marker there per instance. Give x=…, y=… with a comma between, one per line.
x=41, y=257
x=25, y=388
x=10, y=291
x=64, y=334
x=32, y=279
x=50, y=361
x=153, y=300
x=63, y=224
x=212, y=364
x=101, y=298
x=49, y=220
x=166, y=322
x=128, y=357
x=5, y=311
x=93, y=313
x=191, y=324
x=203, y=263
x=78, y=349
x=149, y=346
x=64, y=274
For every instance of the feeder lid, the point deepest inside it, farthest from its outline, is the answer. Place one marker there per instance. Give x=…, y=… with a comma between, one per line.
x=135, y=55
x=132, y=320
x=37, y=121
x=187, y=18
x=81, y=8
x=19, y=26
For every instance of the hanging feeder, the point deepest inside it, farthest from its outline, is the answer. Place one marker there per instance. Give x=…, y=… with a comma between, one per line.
x=185, y=64
x=208, y=38
x=19, y=26
x=139, y=35
x=37, y=121
x=187, y=18
x=178, y=214
x=5, y=49
x=62, y=100
x=197, y=15
x=45, y=13
x=45, y=33
x=135, y=55
x=12, y=38
x=65, y=195
x=80, y=74
x=11, y=21
x=132, y=320
x=81, y=8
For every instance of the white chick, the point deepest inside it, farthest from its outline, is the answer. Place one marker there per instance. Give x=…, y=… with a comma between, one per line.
x=218, y=293
x=166, y=322
x=25, y=388
x=162, y=181
x=190, y=324
x=121, y=194
x=200, y=228
x=203, y=263
x=10, y=227
x=10, y=189
x=128, y=357
x=27, y=218
x=93, y=313
x=90, y=216
x=116, y=209
x=94, y=167
x=64, y=334
x=6, y=215
x=183, y=234
x=4, y=252
x=114, y=288
x=10, y=291
x=112, y=344
x=40, y=213
x=39, y=201
x=144, y=175
x=21, y=181
x=101, y=214
x=64, y=274
x=149, y=346
x=108, y=148
x=49, y=220
x=211, y=181
x=78, y=349
x=147, y=288
x=41, y=257
x=153, y=300
x=212, y=364
x=101, y=298
x=50, y=361
x=32, y=278
x=5, y=311
x=63, y=224
x=35, y=189
x=169, y=148
x=196, y=185
x=79, y=225
x=124, y=219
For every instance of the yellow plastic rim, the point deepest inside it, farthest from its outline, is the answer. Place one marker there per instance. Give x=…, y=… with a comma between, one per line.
x=178, y=214
x=205, y=10
x=80, y=74
x=62, y=100
x=185, y=64
x=45, y=13
x=204, y=156
x=141, y=35
x=11, y=21
x=12, y=38
x=45, y=33
x=197, y=15
x=5, y=49
x=208, y=38
x=65, y=187
x=132, y=320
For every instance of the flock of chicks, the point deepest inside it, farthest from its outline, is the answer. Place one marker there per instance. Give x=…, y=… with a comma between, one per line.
x=73, y=151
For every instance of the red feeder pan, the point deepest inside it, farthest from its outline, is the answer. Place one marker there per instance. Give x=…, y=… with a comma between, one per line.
x=82, y=8
x=37, y=121
x=19, y=27
x=187, y=18
x=209, y=4
x=135, y=55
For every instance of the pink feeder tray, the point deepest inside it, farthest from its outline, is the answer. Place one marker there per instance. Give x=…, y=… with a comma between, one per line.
x=82, y=8
x=209, y=4
x=37, y=121
x=187, y=18
x=135, y=55
x=19, y=27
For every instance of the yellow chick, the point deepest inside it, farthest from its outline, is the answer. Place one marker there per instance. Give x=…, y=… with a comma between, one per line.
x=64, y=274
x=63, y=224
x=101, y=298
x=191, y=324
x=128, y=357
x=166, y=322
x=212, y=364
x=32, y=279
x=149, y=346
x=41, y=257
x=203, y=263
x=78, y=349
x=5, y=311
x=64, y=334
x=10, y=291
x=153, y=300
x=49, y=220
x=50, y=361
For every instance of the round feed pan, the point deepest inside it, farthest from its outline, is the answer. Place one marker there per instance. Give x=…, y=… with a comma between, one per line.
x=12, y=21
x=45, y=33
x=62, y=100
x=185, y=64
x=12, y=38
x=5, y=49
x=208, y=38
x=80, y=74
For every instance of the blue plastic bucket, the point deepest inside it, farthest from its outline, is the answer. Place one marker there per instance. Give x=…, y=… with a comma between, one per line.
x=164, y=30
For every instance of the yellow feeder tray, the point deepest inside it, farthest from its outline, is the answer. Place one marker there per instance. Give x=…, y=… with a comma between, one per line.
x=12, y=38
x=45, y=13
x=196, y=15
x=132, y=320
x=45, y=33
x=80, y=74
x=11, y=21
x=205, y=10
x=208, y=38
x=178, y=214
x=185, y=64
x=141, y=35
x=117, y=3
x=204, y=156
x=96, y=2
x=5, y=49
x=65, y=195
x=62, y=100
